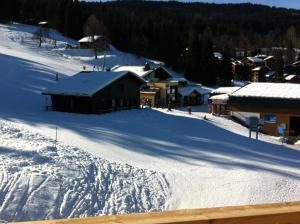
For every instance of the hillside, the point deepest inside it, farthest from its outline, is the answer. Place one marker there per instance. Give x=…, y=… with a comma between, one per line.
x=151, y=28
x=128, y=161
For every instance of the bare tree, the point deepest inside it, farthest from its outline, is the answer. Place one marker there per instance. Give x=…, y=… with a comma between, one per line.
x=92, y=28
x=41, y=35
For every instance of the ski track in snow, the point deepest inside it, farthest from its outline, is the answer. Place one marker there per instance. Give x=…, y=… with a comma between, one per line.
x=39, y=181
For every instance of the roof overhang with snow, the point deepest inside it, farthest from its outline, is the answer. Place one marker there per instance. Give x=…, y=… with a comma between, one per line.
x=89, y=39
x=220, y=99
x=188, y=90
x=225, y=90
x=86, y=84
x=255, y=59
x=269, y=90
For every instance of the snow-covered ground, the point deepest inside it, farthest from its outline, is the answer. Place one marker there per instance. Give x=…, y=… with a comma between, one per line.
x=43, y=180
x=128, y=161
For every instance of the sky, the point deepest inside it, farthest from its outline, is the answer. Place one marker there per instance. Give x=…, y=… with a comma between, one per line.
x=278, y=3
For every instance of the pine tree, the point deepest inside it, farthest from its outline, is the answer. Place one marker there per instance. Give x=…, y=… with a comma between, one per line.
x=192, y=64
x=208, y=62
x=225, y=68
x=291, y=39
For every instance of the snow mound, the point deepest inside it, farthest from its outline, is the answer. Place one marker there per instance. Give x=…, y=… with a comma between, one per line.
x=43, y=180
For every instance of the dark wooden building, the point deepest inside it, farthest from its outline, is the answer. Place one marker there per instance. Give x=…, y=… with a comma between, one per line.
x=157, y=74
x=277, y=104
x=93, y=42
x=96, y=92
x=191, y=95
x=258, y=74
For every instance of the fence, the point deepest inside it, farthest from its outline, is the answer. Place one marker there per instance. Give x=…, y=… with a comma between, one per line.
x=280, y=213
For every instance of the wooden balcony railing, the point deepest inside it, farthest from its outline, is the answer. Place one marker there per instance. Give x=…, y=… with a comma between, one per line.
x=279, y=213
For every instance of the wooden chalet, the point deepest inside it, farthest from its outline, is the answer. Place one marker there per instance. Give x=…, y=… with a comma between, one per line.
x=96, y=92
x=270, y=62
x=219, y=100
x=92, y=42
x=161, y=88
x=192, y=95
x=258, y=74
x=253, y=62
x=277, y=104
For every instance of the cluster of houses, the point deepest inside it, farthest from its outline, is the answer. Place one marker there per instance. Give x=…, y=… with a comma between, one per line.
x=123, y=87
x=126, y=87
x=262, y=68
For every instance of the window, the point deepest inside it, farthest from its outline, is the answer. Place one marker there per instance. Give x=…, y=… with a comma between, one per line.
x=270, y=118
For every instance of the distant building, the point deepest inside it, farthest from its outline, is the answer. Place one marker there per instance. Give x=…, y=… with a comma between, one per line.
x=253, y=62
x=258, y=74
x=191, y=95
x=277, y=104
x=96, y=92
x=270, y=62
x=92, y=42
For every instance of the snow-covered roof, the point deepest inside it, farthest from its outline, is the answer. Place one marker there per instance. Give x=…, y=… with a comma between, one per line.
x=255, y=59
x=270, y=74
x=179, y=79
x=223, y=97
x=89, y=39
x=296, y=63
x=289, y=77
x=188, y=90
x=227, y=90
x=268, y=58
x=218, y=55
x=269, y=90
x=262, y=56
x=85, y=83
x=256, y=69
x=136, y=69
x=43, y=23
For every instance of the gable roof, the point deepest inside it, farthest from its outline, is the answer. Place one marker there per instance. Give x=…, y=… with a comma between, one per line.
x=188, y=90
x=225, y=90
x=136, y=69
x=289, y=77
x=269, y=57
x=89, y=39
x=222, y=97
x=139, y=70
x=256, y=59
x=269, y=90
x=85, y=83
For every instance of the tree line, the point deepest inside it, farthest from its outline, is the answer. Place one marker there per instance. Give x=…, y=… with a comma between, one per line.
x=183, y=35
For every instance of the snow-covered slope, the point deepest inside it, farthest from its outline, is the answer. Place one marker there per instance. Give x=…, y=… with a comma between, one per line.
x=40, y=180
x=148, y=159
